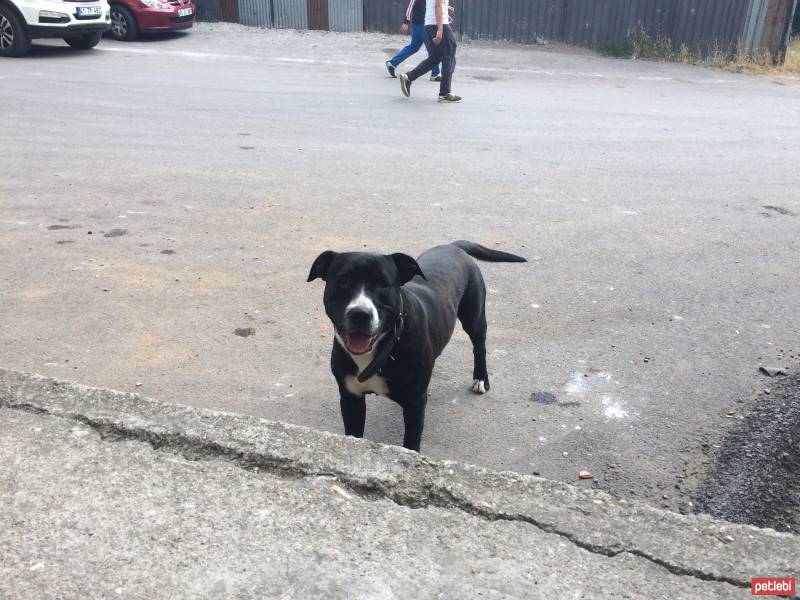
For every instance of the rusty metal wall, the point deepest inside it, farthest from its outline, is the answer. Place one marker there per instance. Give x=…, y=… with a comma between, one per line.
x=699, y=24
x=207, y=10
x=703, y=26
x=384, y=15
x=657, y=17
x=768, y=25
x=290, y=14
x=229, y=11
x=521, y=21
x=317, y=14
x=706, y=25
x=257, y=13
x=796, y=21
x=346, y=15
x=596, y=23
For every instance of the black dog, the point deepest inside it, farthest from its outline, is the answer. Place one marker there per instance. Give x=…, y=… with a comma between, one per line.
x=393, y=316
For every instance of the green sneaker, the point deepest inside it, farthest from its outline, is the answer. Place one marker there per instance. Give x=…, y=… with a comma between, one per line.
x=405, y=85
x=450, y=98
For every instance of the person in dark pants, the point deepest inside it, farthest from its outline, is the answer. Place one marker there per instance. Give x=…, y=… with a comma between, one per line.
x=415, y=15
x=444, y=51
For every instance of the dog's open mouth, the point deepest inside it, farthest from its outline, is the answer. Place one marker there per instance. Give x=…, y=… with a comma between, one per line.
x=359, y=343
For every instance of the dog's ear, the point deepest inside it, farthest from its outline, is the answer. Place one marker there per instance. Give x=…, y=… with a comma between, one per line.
x=407, y=268
x=320, y=267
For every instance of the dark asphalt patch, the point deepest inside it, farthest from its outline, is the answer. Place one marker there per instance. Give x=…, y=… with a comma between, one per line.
x=780, y=210
x=551, y=399
x=65, y=242
x=168, y=252
x=60, y=227
x=484, y=78
x=116, y=233
x=247, y=147
x=244, y=331
x=543, y=398
x=755, y=477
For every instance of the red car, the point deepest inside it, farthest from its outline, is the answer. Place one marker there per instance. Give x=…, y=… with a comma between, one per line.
x=131, y=17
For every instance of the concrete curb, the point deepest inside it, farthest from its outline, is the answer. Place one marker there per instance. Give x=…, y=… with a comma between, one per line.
x=695, y=546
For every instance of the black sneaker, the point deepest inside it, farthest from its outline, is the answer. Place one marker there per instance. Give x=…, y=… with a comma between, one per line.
x=390, y=68
x=436, y=77
x=405, y=85
x=450, y=98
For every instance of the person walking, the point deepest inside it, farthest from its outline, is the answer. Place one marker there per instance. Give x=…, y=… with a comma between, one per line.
x=415, y=15
x=437, y=26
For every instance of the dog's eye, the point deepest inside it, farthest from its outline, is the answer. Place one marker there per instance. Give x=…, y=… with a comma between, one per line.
x=384, y=283
x=343, y=282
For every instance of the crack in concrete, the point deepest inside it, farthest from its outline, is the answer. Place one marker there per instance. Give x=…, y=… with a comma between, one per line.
x=593, y=548
x=411, y=496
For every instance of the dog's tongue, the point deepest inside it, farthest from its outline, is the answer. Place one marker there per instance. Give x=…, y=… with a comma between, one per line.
x=358, y=343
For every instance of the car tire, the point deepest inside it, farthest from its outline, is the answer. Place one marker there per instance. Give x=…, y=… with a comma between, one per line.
x=123, y=24
x=84, y=41
x=14, y=40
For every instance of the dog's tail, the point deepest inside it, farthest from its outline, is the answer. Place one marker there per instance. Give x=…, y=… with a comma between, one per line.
x=483, y=253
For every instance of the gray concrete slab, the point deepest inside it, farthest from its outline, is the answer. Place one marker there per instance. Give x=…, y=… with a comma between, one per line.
x=658, y=281
x=108, y=494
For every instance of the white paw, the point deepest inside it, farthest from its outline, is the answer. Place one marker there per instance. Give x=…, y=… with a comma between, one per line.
x=478, y=386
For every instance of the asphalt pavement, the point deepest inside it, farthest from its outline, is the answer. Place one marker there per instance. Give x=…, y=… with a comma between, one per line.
x=754, y=475
x=161, y=202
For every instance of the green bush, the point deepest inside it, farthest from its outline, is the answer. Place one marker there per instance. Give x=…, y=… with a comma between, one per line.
x=618, y=49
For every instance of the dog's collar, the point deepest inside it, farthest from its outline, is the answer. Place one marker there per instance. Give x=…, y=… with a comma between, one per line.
x=395, y=331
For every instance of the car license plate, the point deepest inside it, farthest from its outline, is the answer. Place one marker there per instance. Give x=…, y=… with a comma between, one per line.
x=184, y=12
x=89, y=11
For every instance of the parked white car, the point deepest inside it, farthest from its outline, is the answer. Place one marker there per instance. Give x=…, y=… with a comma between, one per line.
x=80, y=23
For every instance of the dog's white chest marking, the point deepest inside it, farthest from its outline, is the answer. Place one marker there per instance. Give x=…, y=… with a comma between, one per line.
x=375, y=384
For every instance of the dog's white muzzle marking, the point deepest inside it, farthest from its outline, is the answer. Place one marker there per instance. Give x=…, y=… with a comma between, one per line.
x=364, y=302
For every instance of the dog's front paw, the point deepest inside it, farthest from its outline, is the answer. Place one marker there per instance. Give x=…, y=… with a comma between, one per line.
x=479, y=386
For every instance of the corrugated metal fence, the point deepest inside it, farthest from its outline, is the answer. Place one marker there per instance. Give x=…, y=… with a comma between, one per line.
x=345, y=15
x=289, y=14
x=384, y=15
x=701, y=25
x=257, y=13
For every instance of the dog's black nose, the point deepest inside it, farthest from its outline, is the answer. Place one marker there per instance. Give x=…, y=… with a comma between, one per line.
x=359, y=319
